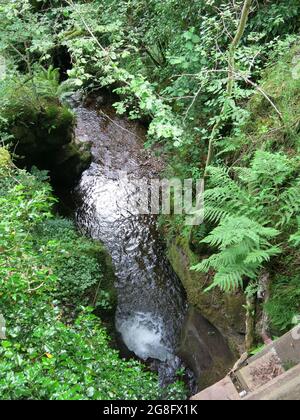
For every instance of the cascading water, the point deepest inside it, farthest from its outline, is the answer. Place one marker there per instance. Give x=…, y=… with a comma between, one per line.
x=151, y=304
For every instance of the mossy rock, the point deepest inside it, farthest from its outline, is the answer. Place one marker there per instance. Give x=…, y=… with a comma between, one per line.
x=45, y=127
x=5, y=159
x=58, y=121
x=43, y=133
x=224, y=310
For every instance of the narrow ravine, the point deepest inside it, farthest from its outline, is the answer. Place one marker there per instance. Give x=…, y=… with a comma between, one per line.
x=151, y=303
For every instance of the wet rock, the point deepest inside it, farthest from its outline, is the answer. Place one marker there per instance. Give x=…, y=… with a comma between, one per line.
x=74, y=99
x=204, y=350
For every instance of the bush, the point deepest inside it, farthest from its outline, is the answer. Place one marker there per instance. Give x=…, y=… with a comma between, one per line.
x=44, y=264
x=78, y=264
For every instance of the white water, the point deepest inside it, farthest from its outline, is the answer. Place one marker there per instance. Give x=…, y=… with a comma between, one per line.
x=143, y=334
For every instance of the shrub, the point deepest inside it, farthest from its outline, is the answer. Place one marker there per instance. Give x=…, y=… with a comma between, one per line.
x=44, y=264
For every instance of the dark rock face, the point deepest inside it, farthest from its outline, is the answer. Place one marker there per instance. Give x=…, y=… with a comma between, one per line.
x=204, y=350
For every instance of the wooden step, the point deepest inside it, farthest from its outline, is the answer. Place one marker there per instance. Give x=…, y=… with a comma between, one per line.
x=259, y=372
x=285, y=387
x=271, y=362
x=273, y=374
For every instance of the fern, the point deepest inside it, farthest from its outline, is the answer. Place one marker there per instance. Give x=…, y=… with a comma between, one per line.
x=290, y=203
x=243, y=246
x=295, y=239
x=47, y=82
x=249, y=205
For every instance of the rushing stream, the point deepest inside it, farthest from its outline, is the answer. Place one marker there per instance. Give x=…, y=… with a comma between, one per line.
x=151, y=304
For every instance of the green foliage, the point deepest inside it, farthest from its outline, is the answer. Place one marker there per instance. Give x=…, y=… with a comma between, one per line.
x=23, y=96
x=4, y=157
x=295, y=239
x=276, y=19
x=25, y=36
x=249, y=207
x=32, y=120
x=264, y=128
x=243, y=246
x=75, y=262
x=46, y=268
x=284, y=304
x=167, y=61
x=75, y=362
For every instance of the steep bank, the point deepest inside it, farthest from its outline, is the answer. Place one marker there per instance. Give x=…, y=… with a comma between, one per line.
x=266, y=151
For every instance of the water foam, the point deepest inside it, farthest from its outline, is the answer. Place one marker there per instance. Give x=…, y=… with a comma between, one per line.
x=143, y=334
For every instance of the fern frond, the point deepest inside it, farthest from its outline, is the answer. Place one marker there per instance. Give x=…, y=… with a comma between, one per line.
x=290, y=204
x=295, y=238
x=227, y=280
x=243, y=247
x=259, y=256
x=214, y=214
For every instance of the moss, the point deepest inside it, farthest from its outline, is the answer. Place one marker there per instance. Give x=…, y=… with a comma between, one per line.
x=27, y=136
x=42, y=130
x=284, y=92
x=60, y=116
x=41, y=123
